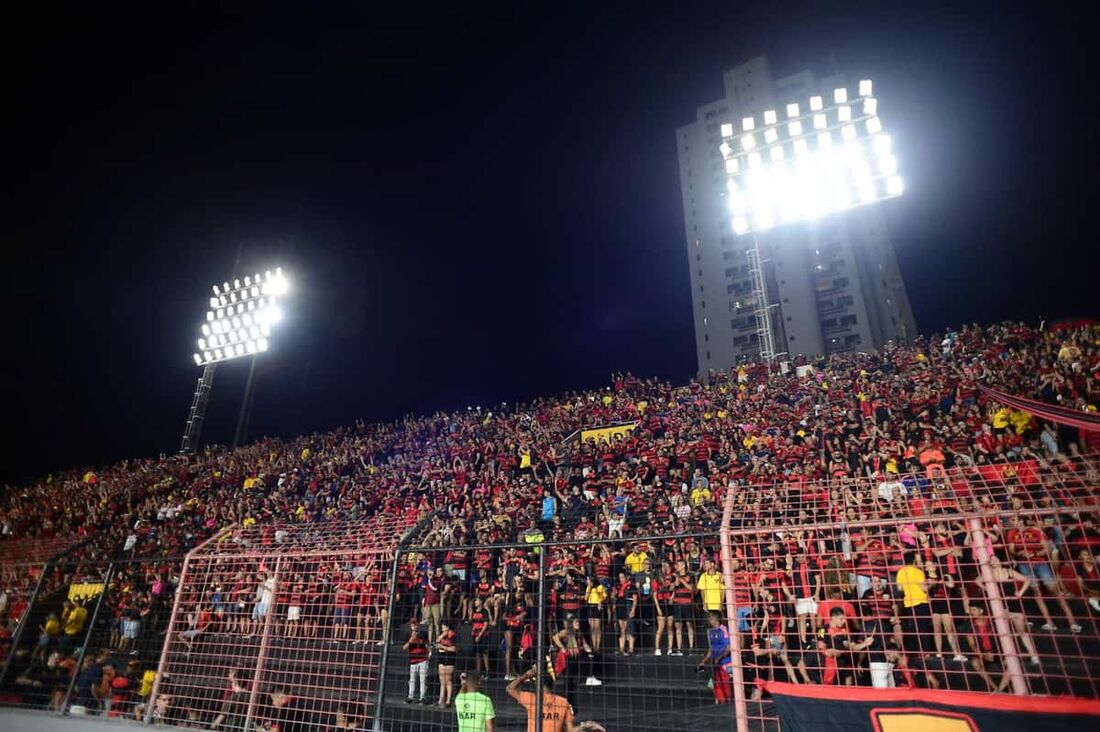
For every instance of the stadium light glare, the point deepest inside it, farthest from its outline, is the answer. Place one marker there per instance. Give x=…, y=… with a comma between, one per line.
x=242, y=311
x=840, y=158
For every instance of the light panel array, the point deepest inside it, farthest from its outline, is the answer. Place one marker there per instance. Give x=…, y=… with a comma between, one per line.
x=241, y=316
x=807, y=161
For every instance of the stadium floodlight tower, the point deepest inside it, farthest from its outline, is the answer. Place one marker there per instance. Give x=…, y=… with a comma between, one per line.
x=243, y=312
x=826, y=157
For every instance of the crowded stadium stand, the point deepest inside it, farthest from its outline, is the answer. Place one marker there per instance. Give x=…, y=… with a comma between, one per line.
x=667, y=556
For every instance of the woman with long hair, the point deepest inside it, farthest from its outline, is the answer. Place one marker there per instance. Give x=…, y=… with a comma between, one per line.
x=662, y=603
x=445, y=646
x=595, y=597
x=626, y=610
x=571, y=644
x=514, y=618
x=1014, y=586
x=942, y=591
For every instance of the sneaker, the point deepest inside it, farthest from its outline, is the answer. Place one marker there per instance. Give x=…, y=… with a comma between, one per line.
x=959, y=657
x=509, y=677
x=410, y=700
x=656, y=651
x=1050, y=627
x=425, y=702
x=1076, y=628
x=1094, y=603
x=1034, y=660
x=593, y=681
x=675, y=653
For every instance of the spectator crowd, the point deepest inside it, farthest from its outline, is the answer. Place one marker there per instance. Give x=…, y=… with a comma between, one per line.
x=843, y=472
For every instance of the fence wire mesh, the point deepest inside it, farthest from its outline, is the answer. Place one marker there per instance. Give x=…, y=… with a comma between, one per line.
x=90, y=637
x=978, y=580
x=279, y=627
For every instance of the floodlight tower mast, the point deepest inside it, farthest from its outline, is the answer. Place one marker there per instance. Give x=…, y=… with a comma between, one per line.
x=195, y=418
x=762, y=310
x=238, y=324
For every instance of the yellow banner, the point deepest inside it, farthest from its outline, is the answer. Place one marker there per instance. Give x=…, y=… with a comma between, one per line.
x=85, y=590
x=602, y=434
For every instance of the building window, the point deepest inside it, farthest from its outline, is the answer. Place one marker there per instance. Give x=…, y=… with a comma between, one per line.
x=788, y=318
x=704, y=320
x=706, y=338
x=708, y=355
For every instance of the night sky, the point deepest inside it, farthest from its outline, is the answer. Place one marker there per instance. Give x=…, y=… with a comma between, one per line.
x=475, y=204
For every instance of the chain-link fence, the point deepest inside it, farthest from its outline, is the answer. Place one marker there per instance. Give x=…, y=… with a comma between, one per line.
x=89, y=636
x=279, y=627
x=980, y=580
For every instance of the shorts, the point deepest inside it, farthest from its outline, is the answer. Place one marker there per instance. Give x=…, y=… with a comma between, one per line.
x=480, y=645
x=1037, y=571
x=592, y=612
x=131, y=629
x=459, y=574
x=341, y=616
x=293, y=613
x=432, y=612
x=683, y=612
x=805, y=606
x=259, y=611
x=622, y=612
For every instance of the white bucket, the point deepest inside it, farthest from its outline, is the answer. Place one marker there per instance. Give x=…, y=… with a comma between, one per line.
x=882, y=675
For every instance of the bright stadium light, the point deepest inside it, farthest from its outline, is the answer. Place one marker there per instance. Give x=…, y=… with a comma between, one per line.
x=863, y=170
x=833, y=158
x=239, y=322
x=237, y=310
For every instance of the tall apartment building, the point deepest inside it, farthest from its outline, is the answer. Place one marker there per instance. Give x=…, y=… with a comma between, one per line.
x=834, y=283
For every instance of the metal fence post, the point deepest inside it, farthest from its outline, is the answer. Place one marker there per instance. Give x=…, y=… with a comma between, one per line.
x=737, y=677
x=982, y=553
x=148, y=717
x=18, y=634
x=87, y=637
x=380, y=695
x=540, y=640
x=162, y=664
x=264, y=641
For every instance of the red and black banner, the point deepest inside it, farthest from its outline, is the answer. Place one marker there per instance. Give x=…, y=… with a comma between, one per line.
x=804, y=708
x=1089, y=421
